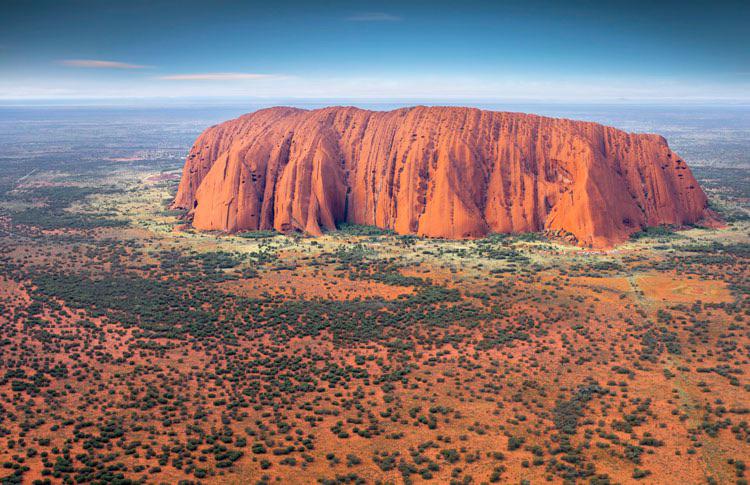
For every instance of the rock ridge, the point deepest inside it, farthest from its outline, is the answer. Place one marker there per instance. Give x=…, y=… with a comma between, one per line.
x=435, y=171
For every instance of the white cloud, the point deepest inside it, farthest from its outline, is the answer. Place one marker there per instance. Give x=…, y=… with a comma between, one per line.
x=99, y=64
x=217, y=76
x=374, y=17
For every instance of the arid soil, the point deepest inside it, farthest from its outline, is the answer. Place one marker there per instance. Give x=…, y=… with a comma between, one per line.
x=134, y=349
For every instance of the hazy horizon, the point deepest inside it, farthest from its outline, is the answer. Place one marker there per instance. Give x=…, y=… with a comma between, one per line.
x=156, y=102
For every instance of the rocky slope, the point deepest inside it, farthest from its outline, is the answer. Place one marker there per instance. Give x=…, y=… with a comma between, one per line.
x=435, y=171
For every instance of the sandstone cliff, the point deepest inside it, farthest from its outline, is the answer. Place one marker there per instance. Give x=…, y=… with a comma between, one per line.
x=441, y=172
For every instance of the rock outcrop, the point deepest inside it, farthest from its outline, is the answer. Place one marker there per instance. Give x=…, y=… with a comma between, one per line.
x=435, y=171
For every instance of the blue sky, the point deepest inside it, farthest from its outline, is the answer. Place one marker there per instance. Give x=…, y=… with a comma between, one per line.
x=525, y=50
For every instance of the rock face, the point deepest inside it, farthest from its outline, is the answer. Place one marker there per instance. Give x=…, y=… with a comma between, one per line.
x=441, y=172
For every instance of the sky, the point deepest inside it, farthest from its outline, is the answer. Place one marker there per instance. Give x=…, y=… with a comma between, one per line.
x=486, y=50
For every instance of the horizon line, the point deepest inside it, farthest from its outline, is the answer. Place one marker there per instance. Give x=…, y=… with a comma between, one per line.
x=120, y=100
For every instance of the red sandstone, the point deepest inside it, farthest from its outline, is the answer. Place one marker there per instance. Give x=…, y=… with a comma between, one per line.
x=435, y=171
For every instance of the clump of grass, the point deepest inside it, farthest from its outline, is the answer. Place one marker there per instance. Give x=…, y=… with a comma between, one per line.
x=350, y=229
x=656, y=232
x=257, y=234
